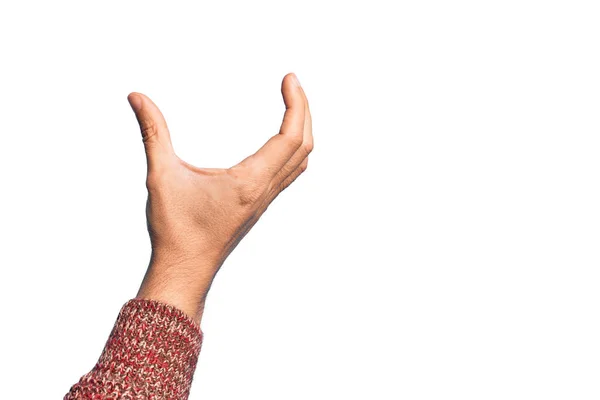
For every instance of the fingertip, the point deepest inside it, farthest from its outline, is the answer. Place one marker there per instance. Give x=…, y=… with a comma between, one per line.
x=291, y=79
x=135, y=101
x=291, y=91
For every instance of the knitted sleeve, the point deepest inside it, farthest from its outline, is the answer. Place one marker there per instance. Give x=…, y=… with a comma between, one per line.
x=151, y=354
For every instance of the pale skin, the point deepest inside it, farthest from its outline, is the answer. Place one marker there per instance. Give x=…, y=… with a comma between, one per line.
x=196, y=216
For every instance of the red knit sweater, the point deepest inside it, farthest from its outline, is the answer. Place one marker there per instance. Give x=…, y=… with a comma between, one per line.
x=151, y=354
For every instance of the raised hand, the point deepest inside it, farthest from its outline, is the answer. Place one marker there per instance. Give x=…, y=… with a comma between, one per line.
x=196, y=216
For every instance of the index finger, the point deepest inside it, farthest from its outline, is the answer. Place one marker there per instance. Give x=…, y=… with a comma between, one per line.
x=276, y=152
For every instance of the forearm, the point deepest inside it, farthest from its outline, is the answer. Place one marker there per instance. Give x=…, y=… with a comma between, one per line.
x=153, y=348
x=151, y=353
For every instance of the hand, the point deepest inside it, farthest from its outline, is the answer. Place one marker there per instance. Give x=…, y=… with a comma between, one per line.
x=196, y=216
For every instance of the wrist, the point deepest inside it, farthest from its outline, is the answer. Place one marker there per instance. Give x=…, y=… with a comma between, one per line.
x=182, y=281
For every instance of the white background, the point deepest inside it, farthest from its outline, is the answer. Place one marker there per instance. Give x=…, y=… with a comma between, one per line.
x=443, y=244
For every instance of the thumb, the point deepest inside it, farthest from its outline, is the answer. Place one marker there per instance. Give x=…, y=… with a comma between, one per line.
x=155, y=134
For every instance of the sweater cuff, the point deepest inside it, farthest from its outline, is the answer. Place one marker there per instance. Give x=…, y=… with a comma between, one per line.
x=151, y=353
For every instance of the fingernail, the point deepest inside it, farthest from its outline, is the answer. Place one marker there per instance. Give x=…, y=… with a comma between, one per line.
x=296, y=81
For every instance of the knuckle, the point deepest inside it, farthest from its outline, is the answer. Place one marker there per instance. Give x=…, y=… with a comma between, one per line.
x=156, y=178
x=148, y=129
x=152, y=184
x=248, y=187
x=286, y=183
x=295, y=139
x=287, y=169
x=248, y=194
x=284, y=186
x=308, y=146
x=304, y=165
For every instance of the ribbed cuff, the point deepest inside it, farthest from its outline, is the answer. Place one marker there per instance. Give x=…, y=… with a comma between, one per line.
x=151, y=353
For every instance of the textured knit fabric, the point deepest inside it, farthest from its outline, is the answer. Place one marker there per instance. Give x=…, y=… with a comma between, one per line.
x=151, y=354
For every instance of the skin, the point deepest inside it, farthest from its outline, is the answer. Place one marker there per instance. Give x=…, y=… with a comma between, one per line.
x=197, y=216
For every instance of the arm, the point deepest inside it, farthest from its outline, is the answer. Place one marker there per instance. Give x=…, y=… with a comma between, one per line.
x=196, y=217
